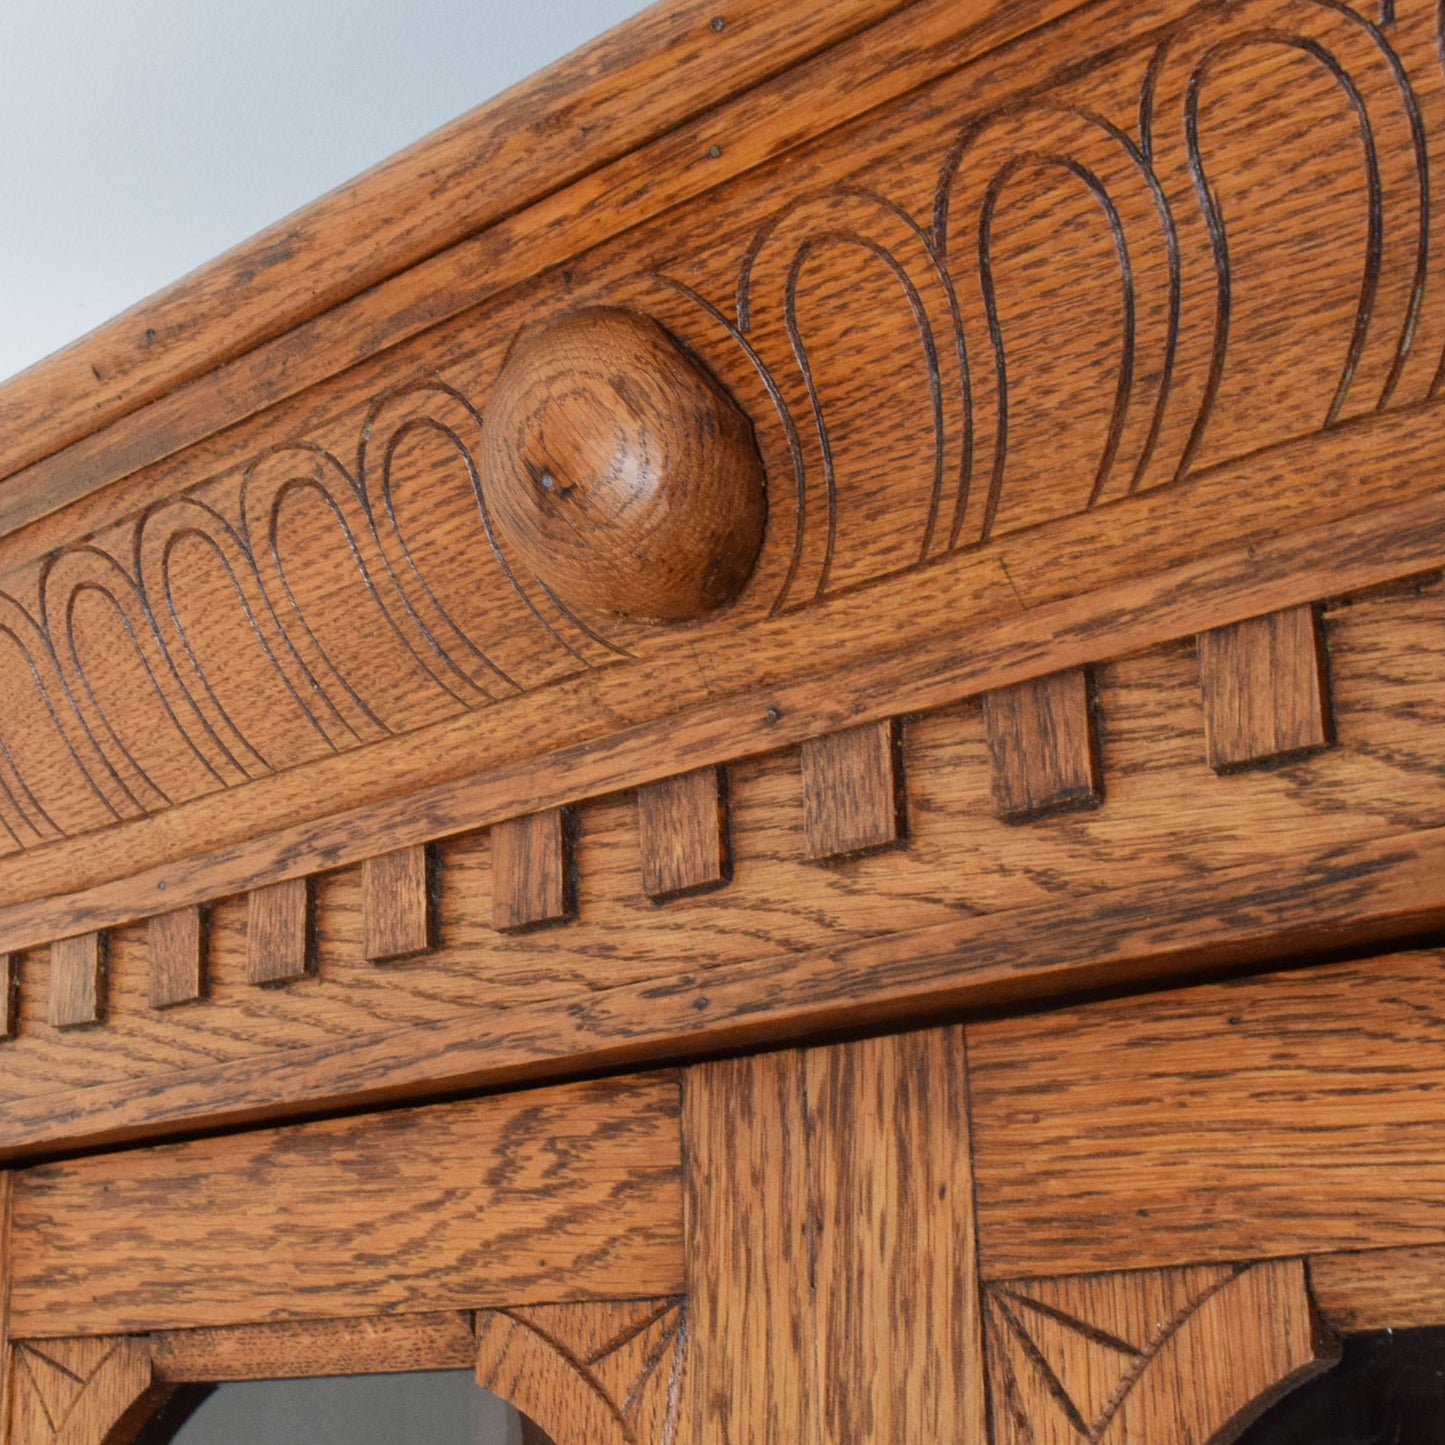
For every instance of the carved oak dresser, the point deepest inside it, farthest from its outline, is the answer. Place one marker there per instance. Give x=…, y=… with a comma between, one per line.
x=757, y=743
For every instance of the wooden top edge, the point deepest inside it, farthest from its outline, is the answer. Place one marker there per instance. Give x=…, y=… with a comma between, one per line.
x=585, y=110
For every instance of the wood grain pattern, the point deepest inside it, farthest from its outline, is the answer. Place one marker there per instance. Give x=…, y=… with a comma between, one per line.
x=500, y=157
x=621, y=473
x=602, y=1372
x=832, y=1294
x=1100, y=385
x=399, y=902
x=1187, y=1355
x=1042, y=745
x=683, y=834
x=1380, y=1289
x=853, y=791
x=1264, y=689
x=372, y=1345
x=81, y=1391
x=491, y=1202
x=533, y=871
x=77, y=981
x=281, y=932
x=758, y=124
x=1182, y=870
x=6, y=1351
x=9, y=995
x=177, y=943
x=1287, y=1114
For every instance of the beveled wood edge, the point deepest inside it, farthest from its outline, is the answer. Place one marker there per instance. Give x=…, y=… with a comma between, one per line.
x=508, y=155
x=1353, y=896
x=1375, y=1289
x=1383, y=543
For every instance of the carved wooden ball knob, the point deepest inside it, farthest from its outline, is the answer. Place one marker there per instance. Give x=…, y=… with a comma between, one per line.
x=619, y=471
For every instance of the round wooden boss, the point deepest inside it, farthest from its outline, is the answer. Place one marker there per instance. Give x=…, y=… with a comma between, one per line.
x=619, y=472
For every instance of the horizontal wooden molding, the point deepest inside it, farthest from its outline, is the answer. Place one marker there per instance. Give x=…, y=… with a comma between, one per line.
x=630, y=734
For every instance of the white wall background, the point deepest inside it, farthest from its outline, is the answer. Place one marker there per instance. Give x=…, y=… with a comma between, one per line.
x=139, y=138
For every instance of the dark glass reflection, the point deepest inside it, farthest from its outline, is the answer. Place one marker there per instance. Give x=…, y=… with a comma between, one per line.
x=442, y=1407
x=1388, y=1389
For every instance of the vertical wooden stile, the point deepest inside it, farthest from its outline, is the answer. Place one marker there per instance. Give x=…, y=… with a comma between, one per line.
x=77, y=981
x=1264, y=689
x=853, y=792
x=1042, y=746
x=177, y=946
x=280, y=932
x=398, y=904
x=533, y=881
x=830, y=1224
x=683, y=834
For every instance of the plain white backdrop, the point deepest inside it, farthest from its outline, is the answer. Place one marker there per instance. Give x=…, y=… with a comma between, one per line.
x=139, y=138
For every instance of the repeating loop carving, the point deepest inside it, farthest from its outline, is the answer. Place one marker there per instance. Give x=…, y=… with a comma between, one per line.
x=1006, y=317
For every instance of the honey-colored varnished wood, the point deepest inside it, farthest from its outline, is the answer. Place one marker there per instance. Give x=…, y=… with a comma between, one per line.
x=1185, y=1356
x=534, y=880
x=281, y=932
x=177, y=944
x=376, y=1344
x=1265, y=694
x=1043, y=746
x=853, y=791
x=91, y=1391
x=1154, y=1129
x=605, y=1372
x=399, y=902
x=9, y=995
x=682, y=825
x=619, y=472
x=1380, y=1289
x=77, y=981
x=574, y=1190
x=830, y=1230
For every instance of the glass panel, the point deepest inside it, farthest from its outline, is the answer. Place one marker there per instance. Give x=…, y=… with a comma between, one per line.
x=1388, y=1389
x=441, y=1407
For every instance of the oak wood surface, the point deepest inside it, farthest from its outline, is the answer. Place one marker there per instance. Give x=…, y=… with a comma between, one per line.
x=9, y=995
x=77, y=981
x=5, y=1350
x=1042, y=746
x=603, y=1371
x=494, y=1201
x=399, y=904
x=1187, y=1355
x=270, y=357
x=830, y=1237
x=177, y=944
x=81, y=1391
x=682, y=826
x=867, y=500
x=1264, y=688
x=853, y=791
x=377, y=1344
x=1292, y=1113
x=1380, y=1289
x=498, y=158
x=208, y=859
x=974, y=912
x=281, y=932
x=534, y=873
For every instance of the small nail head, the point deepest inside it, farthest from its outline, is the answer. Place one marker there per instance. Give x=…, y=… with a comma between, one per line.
x=714, y=151
x=718, y=24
